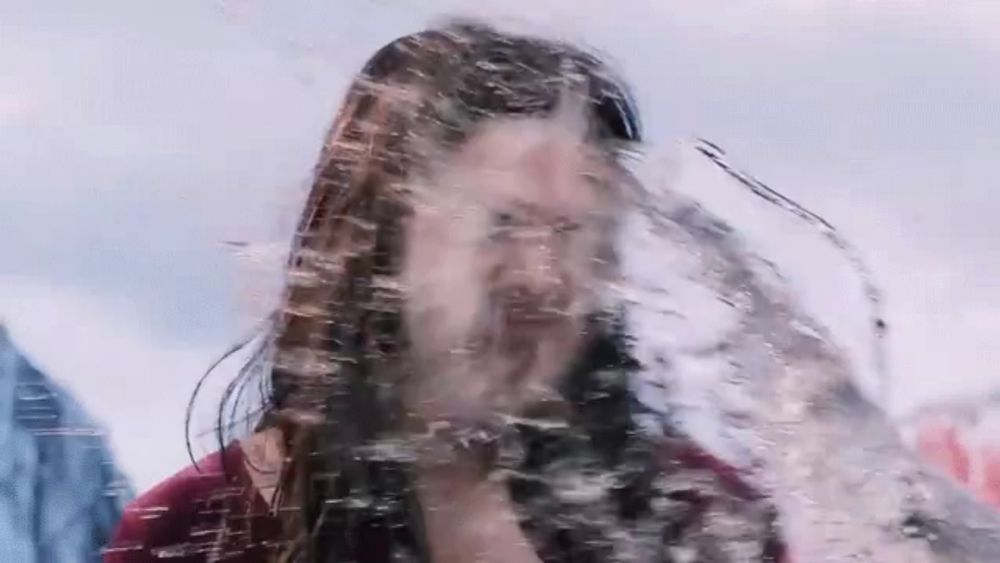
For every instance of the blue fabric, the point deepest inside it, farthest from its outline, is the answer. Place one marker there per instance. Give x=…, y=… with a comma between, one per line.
x=61, y=495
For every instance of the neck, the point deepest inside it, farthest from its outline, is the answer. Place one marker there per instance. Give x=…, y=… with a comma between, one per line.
x=469, y=519
x=263, y=454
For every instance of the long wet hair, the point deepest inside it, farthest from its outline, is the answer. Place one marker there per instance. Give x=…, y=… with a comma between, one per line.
x=336, y=352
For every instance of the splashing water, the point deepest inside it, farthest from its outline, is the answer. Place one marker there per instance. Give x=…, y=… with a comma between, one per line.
x=760, y=333
x=737, y=354
x=803, y=253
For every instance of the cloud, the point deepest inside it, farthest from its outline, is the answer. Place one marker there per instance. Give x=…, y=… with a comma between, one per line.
x=137, y=137
x=132, y=381
x=15, y=107
x=152, y=138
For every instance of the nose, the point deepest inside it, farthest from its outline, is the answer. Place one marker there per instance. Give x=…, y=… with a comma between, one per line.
x=537, y=278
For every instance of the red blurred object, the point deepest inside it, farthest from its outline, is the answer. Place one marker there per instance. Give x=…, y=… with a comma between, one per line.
x=963, y=447
x=958, y=442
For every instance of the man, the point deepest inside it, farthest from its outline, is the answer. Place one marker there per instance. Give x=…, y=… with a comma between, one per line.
x=60, y=493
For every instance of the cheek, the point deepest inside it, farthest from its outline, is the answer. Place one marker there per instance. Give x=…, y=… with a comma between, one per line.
x=445, y=282
x=438, y=247
x=495, y=266
x=587, y=260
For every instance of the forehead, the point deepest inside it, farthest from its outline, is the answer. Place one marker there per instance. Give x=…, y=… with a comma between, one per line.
x=537, y=164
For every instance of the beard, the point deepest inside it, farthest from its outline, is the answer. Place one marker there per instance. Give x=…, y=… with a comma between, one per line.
x=527, y=360
x=489, y=365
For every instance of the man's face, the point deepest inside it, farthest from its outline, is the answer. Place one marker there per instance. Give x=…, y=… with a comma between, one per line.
x=506, y=252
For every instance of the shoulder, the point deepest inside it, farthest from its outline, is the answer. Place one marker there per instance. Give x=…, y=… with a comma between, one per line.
x=682, y=453
x=724, y=496
x=168, y=516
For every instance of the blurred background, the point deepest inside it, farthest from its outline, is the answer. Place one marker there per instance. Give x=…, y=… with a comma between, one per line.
x=153, y=157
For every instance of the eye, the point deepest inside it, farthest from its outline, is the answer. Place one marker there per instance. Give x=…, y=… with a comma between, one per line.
x=566, y=227
x=502, y=223
x=594, y=180
x=503, y=220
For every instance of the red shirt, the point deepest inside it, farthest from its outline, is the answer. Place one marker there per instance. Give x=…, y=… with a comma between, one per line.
x=208, y=509
x=212, y=512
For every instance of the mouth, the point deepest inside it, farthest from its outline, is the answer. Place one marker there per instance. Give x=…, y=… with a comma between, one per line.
x=533, y=318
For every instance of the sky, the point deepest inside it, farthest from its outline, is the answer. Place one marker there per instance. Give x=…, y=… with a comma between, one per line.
x=137, y=138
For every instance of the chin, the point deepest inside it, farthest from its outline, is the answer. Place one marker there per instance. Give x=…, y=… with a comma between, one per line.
x=534, y=358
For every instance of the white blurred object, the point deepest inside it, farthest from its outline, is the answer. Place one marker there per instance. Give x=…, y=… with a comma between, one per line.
x=961, y=439
x=822, y=271
x=724, y=316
